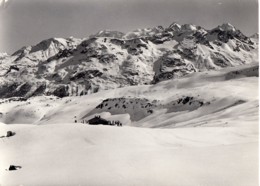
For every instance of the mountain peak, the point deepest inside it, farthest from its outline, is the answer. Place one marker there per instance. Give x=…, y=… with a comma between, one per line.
x=188, y=27
x=227, y=27
x=108, y=33
x=159, y=27
x=3, y=55
x=256, y=36
x=175, y=26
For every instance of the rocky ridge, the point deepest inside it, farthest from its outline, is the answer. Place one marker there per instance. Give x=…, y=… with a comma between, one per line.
x=111, y=59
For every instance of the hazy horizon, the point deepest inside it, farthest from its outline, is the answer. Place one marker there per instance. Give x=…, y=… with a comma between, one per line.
x=27, y=22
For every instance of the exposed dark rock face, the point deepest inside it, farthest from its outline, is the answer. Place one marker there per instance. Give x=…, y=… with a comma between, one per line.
x=172, y=68
x=139, y=108
x=89, y=74
x=22, y=90
x=186, y=103
x=7, y=90
x=220, y=60
x=61, y=91
x=248, y=72
x=10, y=133
x=40, y=90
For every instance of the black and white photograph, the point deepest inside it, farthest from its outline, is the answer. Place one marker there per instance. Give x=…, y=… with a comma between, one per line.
x=129, y=93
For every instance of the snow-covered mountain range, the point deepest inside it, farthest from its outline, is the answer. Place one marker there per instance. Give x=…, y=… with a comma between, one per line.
x=192, y=117
x=112, y=59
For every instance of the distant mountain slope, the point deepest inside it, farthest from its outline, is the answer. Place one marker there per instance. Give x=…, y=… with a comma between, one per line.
x=200, y=99
x=111, y=59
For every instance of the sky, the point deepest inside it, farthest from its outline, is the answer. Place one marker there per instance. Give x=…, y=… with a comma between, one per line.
x=27, y=22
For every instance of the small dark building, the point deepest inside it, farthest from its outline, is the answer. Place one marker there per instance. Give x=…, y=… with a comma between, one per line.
x=97, y=120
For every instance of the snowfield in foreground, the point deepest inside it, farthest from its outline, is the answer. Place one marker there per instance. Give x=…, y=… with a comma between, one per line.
x=64, y=154
x=202, y=130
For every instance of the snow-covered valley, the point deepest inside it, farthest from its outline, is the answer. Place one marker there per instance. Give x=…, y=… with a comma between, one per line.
x=200, y=129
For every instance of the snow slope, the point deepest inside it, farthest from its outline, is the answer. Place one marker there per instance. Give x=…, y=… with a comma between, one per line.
x=68, y=154
x=203, y=130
